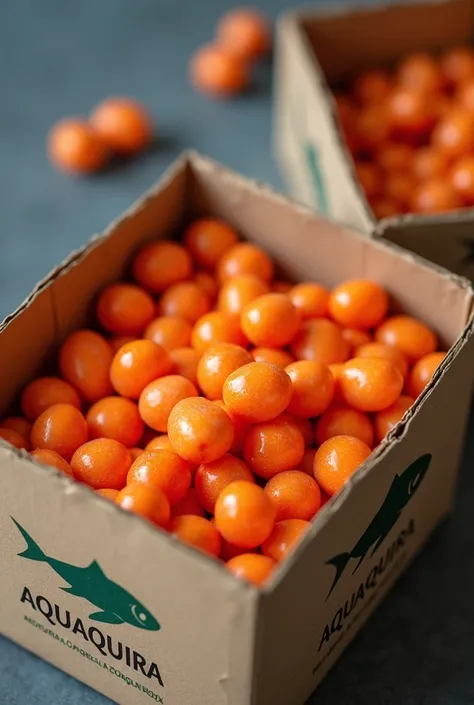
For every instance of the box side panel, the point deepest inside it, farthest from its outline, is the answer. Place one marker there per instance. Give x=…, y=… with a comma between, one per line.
x=348, y=42
x=447, y=240
x=96, y=580
x=307, y=143
x=342, y=571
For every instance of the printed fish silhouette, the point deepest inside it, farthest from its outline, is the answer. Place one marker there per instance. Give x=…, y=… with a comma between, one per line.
x=115, y=604
x=401, y=491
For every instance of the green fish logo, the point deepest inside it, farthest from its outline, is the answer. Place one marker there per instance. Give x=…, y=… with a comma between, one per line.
x=314, y=168
x=116, y=605
x=400, y=493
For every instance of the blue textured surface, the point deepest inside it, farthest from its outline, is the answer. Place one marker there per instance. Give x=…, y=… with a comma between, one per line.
x=61, y=57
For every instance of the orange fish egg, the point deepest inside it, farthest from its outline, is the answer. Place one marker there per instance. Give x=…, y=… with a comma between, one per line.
x=101, y=463
x=123, y=124
x=355, y=337
x=461, y=178
x=84, y=361
x=245, y=33
x=188, y=505
x=217, y=72
x=395, y=157
x=371, y=126
x=170, y=332
x=197, y=532
x=216, y=364
x=429, y=163
x=257, y=392
x=240, y=428
x=312, y=388
x=117, y=418
x=245, y=258
x=184, y=362
x=412, y=337
x=244, y=514
x=295, y=495
x=208, y=284
x=310, y=300
x=137, y=364
x=358, y=303
x=61, y=428
x=147, y=501
x=457, y=64
x=251, y=567
x=14, y=438
x=343, y=421
x=270, y=321
x=159, y=443
x=208, y=239
x=434, y=196
x=163, y=469
x=284, y=538
x=44, y=392
x=371, y=87
x=410, y=113
x=387, y=419
x=125, y=309
x=454, y=133
x=116, y=341
x=370, y=384
x=422, y=372
x=161, y=264
x=239, y=291
x=18, y=424
x=73, y=146
x=53, y=459
x=185, y=300
x=273, y=446
x=420, y=72
x=211, y=478
x=159, y=398
x=199, y=430
x=336, y=460
x=386, y=352
x=281, y=358
x=216, y=327
x=320, y=340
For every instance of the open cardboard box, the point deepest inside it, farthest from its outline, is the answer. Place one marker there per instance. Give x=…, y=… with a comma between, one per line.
x=320, y=48
x=221, y=641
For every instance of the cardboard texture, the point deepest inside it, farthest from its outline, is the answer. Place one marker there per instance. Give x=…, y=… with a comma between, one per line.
x=320, y=48
x=85, y=584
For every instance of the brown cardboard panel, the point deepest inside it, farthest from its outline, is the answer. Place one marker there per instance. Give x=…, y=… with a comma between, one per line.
x=299, y=611
x=447, y=240
x=347, y=41
x=313, y=156
x=202, y=610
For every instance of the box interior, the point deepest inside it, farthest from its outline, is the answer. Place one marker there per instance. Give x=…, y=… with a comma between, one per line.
x=348, y=42
x=62, y=302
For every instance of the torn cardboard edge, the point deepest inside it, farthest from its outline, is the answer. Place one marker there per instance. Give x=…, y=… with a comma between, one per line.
x=194, y=166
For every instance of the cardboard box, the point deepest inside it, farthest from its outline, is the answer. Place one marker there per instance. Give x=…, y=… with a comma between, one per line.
x=99, y=581
x=320, y=48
